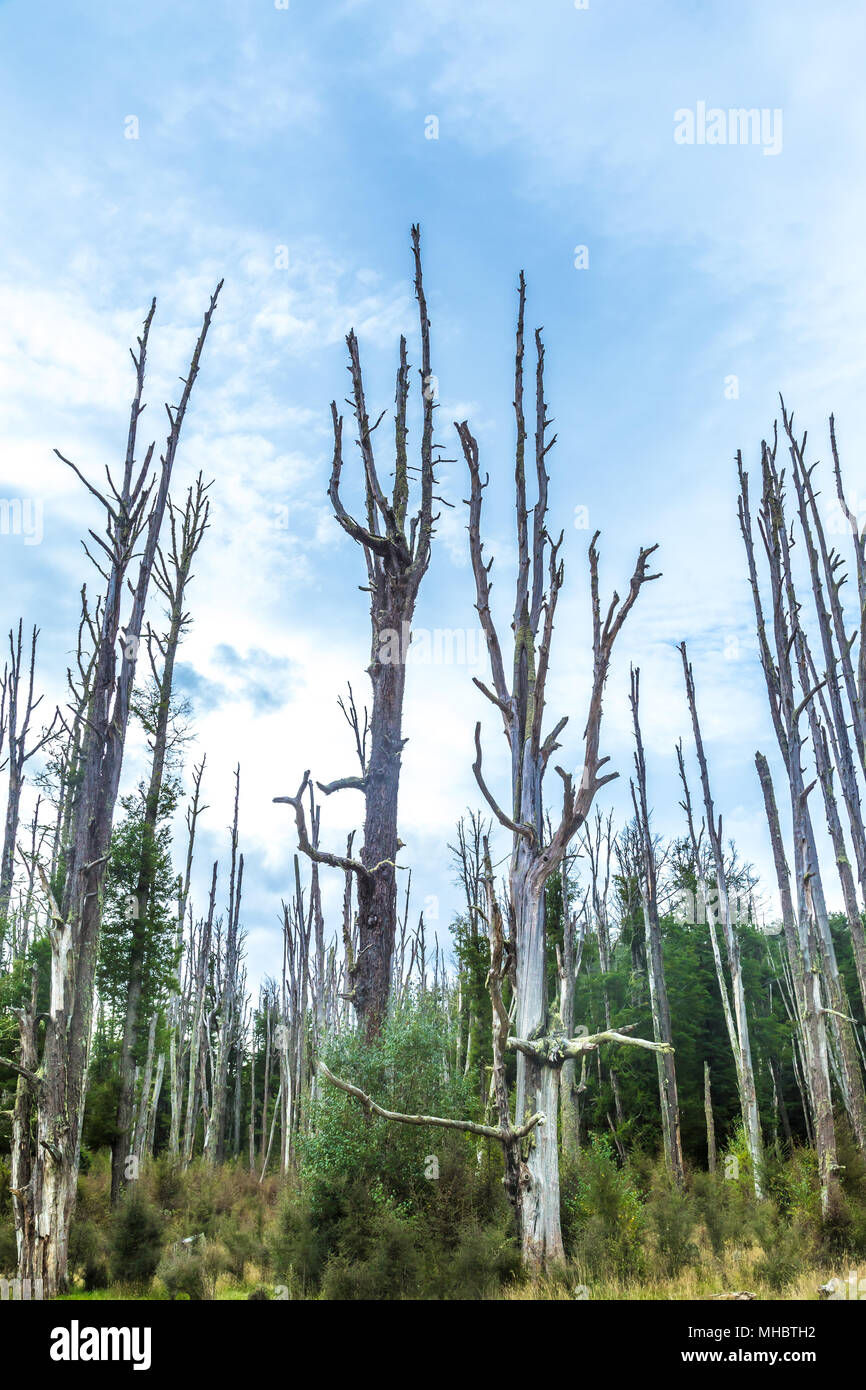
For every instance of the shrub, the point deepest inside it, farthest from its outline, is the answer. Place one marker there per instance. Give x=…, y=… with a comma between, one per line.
x=192, y=1273
x=403, y=1071
x=136, y=1241
x=182, y=1273
x=711, y=1201
x=8, y=1250
x=605, y=1215
x=297, y=1246
x=785, y=1243
x=89, y=1254
x=673, y=1216
x=377, y=1260
x=484, y=1259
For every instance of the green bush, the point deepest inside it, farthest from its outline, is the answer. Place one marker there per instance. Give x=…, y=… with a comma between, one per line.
x=183, y=1274
x=298, y=1246
x=378, y=1259
x=711, y=1201
x=674, y=1216
x=403, y=1070
x=89, y=1254
x=8, y=1250
x=136, y=1241
x=786, y=1244
x=605, y=1218
x=192, y=1273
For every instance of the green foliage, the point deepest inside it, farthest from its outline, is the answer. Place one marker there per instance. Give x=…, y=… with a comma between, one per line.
x=8, y=1250
x=674, y=1215
x=89, y=1255
x=605, y=1218
x=136, y=1242
x=712, y=1201
x=298, y=1246
x=404, y=1070
x=192, y=1274
x=786, y=1243
x=389, y=1210
x=137, y=856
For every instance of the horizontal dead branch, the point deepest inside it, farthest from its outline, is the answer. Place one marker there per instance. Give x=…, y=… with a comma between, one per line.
x=437, y=1121
x=343, y=784
x=555, y=1050
x=35, y=1081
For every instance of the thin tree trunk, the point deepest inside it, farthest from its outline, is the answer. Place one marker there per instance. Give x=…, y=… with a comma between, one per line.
x=711, y=1124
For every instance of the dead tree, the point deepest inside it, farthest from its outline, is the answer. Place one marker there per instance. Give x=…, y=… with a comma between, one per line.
x=44, y=1202
x=733, y=1004
x=540, y=1044
x=833, y=733
x=172, y=573
x=788, y=700
x=201, y=971
x=396, y=558
x=597, y=843
x=468, y=859
x=181, y=1004
x=710, y=1121
x=661, y=1013
x=228, y=1002
x=20, y=706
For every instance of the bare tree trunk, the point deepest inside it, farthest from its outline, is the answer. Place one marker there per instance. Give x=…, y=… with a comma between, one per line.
x=227, y=1011
x=743, y=1051
x=711, y=1124
x=396, y=564
x=196, y=1091
x=661, y=1013
x=140, y=1130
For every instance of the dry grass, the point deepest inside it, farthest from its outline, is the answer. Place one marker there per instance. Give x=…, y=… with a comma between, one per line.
x=736, y=1272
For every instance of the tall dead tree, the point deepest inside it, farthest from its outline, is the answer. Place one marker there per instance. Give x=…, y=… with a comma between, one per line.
x=172, y=572
x=791, y=687
x=396, y=556
x=47, y=1172
x=834, y=734
x=228, y=997
x=733, y=1004
x=661, y=1012
x=597, y=843
x=182, y=1006
x=540, y=1044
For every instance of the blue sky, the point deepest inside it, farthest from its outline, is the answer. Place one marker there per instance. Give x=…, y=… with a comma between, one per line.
x=305, y=128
